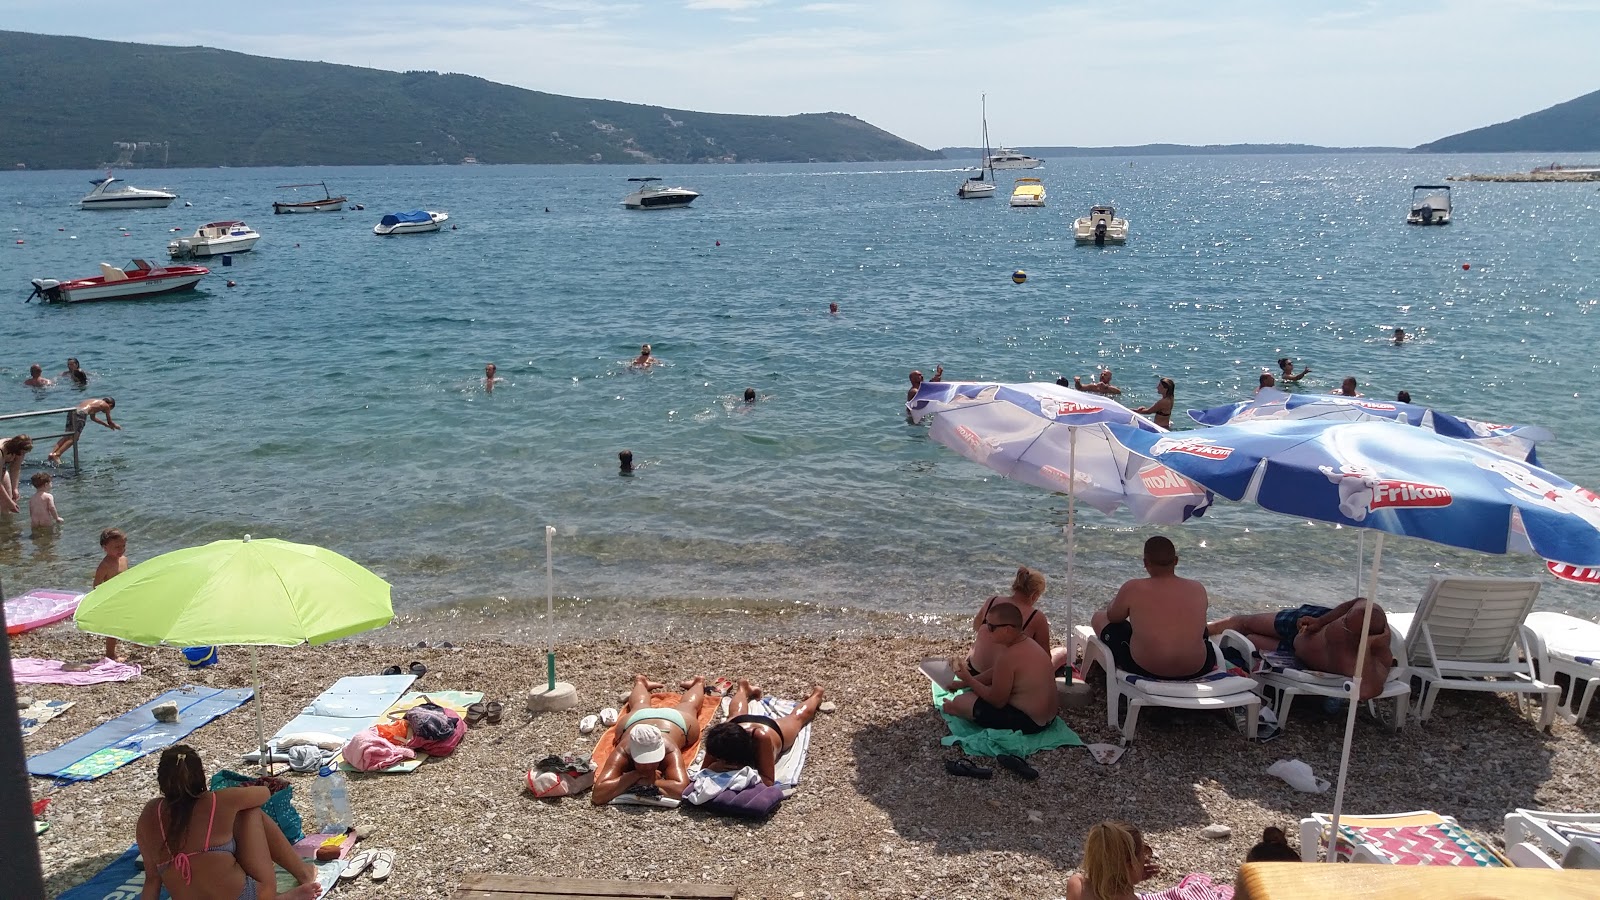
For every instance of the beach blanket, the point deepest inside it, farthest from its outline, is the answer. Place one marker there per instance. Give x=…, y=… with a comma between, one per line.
x=28, y=670
x=135, y=733
x=1194, y=886
x=691, y=754
x=976, y=740
x=42, y=711
x=38, y=608
x=123, y=880
x=351, y=704
x=793, y=761
x=458, y=701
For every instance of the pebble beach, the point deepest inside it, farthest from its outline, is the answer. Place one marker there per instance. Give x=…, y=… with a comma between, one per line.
x=876, y=815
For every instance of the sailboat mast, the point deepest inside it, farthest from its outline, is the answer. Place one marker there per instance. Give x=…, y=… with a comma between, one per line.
x=987, y=161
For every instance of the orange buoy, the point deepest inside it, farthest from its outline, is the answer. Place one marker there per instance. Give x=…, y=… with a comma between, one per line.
x=1466, y=266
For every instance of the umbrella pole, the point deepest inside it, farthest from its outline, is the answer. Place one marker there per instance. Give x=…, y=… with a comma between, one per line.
x=549, y=608
x=261, y=733
x=1355, y=698
x=1361, y=553
x=1071, y=529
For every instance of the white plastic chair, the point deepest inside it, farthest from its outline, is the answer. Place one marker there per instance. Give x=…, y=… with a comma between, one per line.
x=1217, y=691
x=1468, y=635
x=1566, y=649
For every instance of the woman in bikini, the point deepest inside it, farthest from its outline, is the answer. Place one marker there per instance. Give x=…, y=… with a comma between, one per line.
x=1026, y=589
x=1161, y=410
x=214, y=845
x=12, y=452
x=1115, y=858
x=756, y=740
x=650, y=741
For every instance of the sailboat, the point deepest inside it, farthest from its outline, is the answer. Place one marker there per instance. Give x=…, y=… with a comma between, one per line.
x=976, y=187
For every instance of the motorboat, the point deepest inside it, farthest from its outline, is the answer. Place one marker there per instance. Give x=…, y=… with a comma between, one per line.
x=1430, y=205
x=214, y=239
x=329, y=203
x=978, y=187
x=653, y=196
x=114, y=193
x=1100, y=227
x=135, y=280
x=414, y=222
x=1005, y=158
x=1028, y=192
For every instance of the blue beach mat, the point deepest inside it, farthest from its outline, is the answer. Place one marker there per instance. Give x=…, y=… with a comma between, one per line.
x=122, y=880
x=135, y=733
x=978, y=741
x=350, y=705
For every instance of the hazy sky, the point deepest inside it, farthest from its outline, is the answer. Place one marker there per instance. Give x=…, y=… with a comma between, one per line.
x=1338, y=72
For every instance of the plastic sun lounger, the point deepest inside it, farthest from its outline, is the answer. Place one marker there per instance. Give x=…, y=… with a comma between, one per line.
x=1217, y=691
x=1422, y=838
x=1566, y=649
x=1287, y=683
x=1467, y=634
x=1555, y=830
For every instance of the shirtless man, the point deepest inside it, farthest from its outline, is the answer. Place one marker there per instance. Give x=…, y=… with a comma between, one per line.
x=644, y=360
x=1322, y=639
x=87, y=411
x=1347, y=388
x=1102, y=386
x=1267, y=381
x=1021, y=691
x=916, y=381
x=1150, y=626
x=756, y=741
x=648, y=757
x=36, y=377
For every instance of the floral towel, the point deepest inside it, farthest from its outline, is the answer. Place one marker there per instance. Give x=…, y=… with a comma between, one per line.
x=100, y=763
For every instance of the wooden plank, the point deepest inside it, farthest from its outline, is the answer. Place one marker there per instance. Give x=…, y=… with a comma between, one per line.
x=530, y=887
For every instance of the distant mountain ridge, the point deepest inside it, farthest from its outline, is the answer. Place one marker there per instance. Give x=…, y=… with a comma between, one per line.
x=68, y=100
x=1171, y=150
x=1570, y=127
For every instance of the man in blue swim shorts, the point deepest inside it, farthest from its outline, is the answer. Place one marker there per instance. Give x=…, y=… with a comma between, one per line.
x=1321, y=639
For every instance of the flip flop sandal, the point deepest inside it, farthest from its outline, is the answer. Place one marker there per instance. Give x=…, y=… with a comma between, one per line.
x=493, y=711
x=722, y=687
x=1017, y=765
x=392, y=670
x=382, y=864
x=966, y=768
x=588, y=724
x=358, y=864
x=475, y=714
x=418, y=669
x=608, y=717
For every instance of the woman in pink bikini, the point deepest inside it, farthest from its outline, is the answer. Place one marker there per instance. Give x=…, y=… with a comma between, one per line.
x=214, y=845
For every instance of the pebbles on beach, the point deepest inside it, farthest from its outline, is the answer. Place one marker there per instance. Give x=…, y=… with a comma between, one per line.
x=876, y=814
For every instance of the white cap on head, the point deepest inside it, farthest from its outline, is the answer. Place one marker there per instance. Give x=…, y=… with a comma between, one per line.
x=646, y=744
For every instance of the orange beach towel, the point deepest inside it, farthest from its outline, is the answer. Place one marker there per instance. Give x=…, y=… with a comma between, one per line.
x=708, y=711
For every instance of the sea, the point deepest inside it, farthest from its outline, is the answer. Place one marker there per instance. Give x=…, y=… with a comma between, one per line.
x=327, y=387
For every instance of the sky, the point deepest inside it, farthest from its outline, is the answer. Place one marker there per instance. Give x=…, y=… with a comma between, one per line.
x=1068, y=73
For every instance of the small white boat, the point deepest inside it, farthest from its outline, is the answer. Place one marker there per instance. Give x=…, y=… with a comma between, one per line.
x=1028, y=192
x=114, y=193
x=654, y=196
x=414, y=222
x=978, y=187
x=1100, y=227
x=329, y=203
x=214, y=239
x=137, y=279
x=1432, y=208
x=1005, y=158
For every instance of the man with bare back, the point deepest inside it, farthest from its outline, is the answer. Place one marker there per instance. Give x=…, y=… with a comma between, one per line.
x=1322, y=639
x=1156, y=626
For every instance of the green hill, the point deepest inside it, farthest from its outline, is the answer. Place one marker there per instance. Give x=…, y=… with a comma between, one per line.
x=67, y=101
x=1573, y=126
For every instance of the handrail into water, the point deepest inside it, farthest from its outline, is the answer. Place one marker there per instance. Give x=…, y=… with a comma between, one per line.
x=76, y=469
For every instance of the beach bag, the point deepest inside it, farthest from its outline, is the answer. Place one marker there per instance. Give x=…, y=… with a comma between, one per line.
x=434, y=730
x=279, y=806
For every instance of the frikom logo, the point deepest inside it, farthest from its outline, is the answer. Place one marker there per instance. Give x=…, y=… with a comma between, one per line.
x=1055, y=408
x=1161, y=481
x=1062, y=478
x=1408, y=494
x=980, y=446
x=1193, y=447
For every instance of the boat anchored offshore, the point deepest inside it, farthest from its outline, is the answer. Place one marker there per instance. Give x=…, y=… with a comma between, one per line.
x=654, y=196
x=1100, y=227
x=1432, y=208
x=414, y=222
x=977, y=187
x=214, y=239
x=105, y=196
x=330, y=203
x=137, y=279
x=1010, y=159
x=1028, y=192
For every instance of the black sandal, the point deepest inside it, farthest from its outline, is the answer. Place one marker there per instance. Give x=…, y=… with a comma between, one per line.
x=417, y=669
x=1018, y=765
x=475, y=714
x=392, y=670
x=492, y=712
x=966, y=768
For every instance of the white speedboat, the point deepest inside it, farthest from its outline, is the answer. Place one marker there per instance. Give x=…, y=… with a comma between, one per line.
x=413, y=222
x=1028, y=192
x=328, y=203
x=1004, y=158
x=654, y=196
x=137, y=279
x=114, y=193
x=978, y=187
x=1431, y=208
x=1100, y=227
x=215, y=239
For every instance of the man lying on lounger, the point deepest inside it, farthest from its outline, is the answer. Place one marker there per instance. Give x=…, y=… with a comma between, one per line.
x=1156, y=626
x=1021, y=691
x=1322, y=639
x=648, y=758
x=756, y=741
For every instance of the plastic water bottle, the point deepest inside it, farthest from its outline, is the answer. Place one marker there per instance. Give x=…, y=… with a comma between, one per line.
x=330, y=798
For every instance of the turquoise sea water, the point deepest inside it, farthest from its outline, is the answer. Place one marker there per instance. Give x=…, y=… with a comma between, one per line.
x=334, y=396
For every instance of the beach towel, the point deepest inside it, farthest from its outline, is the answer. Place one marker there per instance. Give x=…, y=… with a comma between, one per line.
x=976, y=740
x=793, y=761
x=691, y=754
x=135, y=733
x=123, y=880
x=456, y=701
x=42, y=711
x=38, y=608
x=1194, y=886
x=28, y=670
x=351, y=704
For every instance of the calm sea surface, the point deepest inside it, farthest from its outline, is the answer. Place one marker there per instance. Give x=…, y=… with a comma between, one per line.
x=335, y=395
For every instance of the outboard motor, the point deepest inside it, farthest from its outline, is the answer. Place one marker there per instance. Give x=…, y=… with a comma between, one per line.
x=183, y=247
x=1100, y=232
x=46, y=289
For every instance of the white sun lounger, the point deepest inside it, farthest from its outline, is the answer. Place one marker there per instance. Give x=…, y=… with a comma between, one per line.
x=1217, y=691
x=1286, y=683
x=1566, y=653
x=1422, y=837
x=1554, y=830
x=1468, y=635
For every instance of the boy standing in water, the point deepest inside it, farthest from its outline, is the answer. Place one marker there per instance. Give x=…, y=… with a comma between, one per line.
x=42, y=505
x=115, y=545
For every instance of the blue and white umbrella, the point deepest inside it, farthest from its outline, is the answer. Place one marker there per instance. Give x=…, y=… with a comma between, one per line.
x=1512, y=440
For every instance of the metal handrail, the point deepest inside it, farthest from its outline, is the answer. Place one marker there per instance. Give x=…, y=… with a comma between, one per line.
x=76, y=468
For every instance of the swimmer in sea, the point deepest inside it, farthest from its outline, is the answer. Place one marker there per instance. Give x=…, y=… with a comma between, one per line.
x=1286, y=370
x=644, y=360
x=1399, y=335
x=749, y=395
x=1347, y=388
x=625, y=462
x=1161, y=410
x=833, y=309
x=1266, y=381
x=1403, y=397
x=488, y=378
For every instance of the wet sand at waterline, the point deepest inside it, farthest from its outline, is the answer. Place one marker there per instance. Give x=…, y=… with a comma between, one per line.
x=875, y=816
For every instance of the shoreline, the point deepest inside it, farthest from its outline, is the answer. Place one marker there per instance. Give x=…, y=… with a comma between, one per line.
x=875, y=815
x=1526, y=177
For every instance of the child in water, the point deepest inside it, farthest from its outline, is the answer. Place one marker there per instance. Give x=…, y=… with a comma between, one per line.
x=42, y=505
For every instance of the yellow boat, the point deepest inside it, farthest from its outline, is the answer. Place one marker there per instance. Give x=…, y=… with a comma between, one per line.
x=1028, y=192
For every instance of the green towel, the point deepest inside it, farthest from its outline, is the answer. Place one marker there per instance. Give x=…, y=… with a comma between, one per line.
x=976, y=741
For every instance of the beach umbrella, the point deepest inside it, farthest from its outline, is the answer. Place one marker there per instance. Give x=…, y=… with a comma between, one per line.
x=239, y=593
x=1404, y=481
x=1269, y=403
x=1053, y=437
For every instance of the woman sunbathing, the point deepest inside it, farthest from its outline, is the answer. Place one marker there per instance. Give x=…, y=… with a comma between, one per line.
x=213, y=845
x=1026, y=589
x=648, y=756
x=756, y=741
x=1115, y=858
